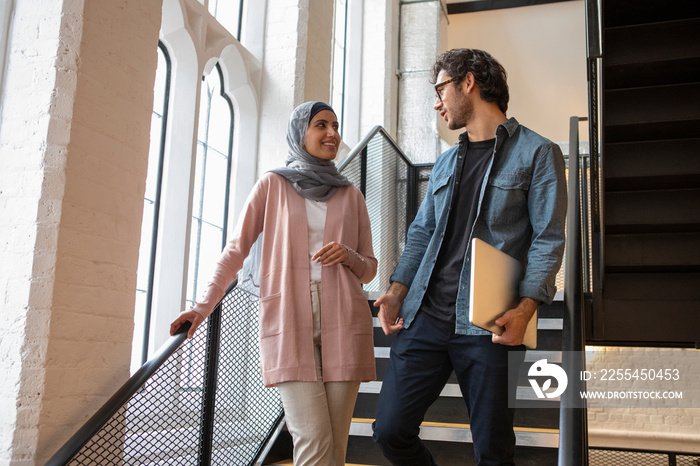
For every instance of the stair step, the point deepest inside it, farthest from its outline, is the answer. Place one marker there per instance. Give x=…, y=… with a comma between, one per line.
x=651, y=131
x=534, y=413
x=657, y=104
x=633, y=321
x=459, y=432
x=363, y=450
x=452, y=390
x=652, y=286
x=652, y=208
x=647, y=160
x=652, y=73
x=651, y=42
x=291, y=463
x=626, y=12
x=652, y=253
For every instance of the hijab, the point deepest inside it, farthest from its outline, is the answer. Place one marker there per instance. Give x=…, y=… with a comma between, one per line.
x=310, y=177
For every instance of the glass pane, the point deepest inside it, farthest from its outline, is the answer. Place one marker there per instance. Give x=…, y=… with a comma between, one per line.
x=145, y=248
x=226, y=12
x=192, y=265
x=211, y=181
x=154, y=156
x=148, y=227
x=198, y=181
x=215, y=191
x=219, y=122
x=159, y=89
x=204, y=102
x=338, y=68
x=209, y=252
x=139, y=321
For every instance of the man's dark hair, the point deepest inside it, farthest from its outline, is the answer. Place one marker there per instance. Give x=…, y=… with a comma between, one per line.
x=489, y=74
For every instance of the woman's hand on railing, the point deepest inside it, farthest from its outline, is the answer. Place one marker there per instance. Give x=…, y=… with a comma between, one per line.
x=195, y=318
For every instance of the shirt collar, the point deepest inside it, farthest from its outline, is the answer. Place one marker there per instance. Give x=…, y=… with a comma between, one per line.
x=509, y=126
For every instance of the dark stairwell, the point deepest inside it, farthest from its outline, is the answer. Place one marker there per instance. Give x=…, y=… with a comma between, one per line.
x=650, y=183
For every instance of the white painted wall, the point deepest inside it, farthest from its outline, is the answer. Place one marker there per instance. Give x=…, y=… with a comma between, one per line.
x=543, y=49
x=74, y=140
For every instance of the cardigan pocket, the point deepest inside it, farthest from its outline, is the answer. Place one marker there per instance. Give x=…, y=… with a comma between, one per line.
x=270, y=315
x=358, y=318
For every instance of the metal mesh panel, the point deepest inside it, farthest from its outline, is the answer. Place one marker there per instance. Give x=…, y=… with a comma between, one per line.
x=388, y=191
x=245, y=410
x=600, y=457
x=388, y=184
x=161, y=424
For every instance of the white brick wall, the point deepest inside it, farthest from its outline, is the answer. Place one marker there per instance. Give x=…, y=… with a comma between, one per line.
x=74, y=143
x=664, y=429
x=319, y=52
x=288, y=78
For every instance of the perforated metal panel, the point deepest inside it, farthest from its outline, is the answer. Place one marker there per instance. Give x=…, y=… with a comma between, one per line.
x=393, y=190
x=162, y=423
x=599, y=457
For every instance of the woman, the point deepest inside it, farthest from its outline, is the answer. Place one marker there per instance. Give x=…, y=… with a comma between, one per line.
x=316, y=249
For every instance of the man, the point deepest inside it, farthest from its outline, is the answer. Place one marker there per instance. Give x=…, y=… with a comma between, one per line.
x=505, y=185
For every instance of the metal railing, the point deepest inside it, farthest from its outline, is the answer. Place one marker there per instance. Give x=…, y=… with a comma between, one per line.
x=202, y=401
x=573, y=429
x=594, y=60
x=393, y=187
x=198, y=401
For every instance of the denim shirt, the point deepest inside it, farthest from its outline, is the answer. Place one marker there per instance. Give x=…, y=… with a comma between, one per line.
x=521, y=211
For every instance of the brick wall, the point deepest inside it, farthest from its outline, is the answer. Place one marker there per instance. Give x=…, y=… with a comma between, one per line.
x=74, y=142
x=654, y=427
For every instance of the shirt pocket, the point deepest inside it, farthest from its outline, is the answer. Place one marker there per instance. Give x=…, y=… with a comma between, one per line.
x=505, y=200
x=439, y=192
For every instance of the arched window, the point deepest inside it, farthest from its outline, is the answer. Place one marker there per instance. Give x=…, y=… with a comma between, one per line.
x=211, y=184
x=229, y=13
x=151, y=210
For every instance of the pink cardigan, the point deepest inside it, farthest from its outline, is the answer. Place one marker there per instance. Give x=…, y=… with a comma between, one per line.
x=286, y=327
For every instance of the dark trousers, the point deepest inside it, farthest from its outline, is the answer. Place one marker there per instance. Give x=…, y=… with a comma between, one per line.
x=422, y=359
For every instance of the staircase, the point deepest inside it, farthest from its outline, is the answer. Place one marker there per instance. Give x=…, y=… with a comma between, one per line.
x=446, y=429
x=651, y=174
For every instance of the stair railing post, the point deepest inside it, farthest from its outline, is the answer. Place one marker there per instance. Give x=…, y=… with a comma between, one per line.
x=363, y=171
x=206, y=439
x=573, y=431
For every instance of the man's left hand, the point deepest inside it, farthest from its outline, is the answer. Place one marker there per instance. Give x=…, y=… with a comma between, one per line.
x=515, y=322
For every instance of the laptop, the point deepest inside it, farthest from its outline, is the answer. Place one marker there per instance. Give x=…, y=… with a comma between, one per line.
x=494, y=289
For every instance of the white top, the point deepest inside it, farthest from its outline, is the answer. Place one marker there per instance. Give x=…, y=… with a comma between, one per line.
x=316, y=220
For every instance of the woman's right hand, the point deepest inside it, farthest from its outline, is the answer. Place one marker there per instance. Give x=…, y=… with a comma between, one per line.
x=188, y=316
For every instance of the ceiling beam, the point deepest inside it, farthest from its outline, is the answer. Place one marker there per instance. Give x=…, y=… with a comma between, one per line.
x=487, y=5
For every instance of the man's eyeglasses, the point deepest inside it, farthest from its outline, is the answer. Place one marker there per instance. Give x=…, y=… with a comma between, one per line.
x=439, y=87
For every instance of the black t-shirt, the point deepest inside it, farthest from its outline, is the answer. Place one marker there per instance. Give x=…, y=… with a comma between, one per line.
x=441, y=295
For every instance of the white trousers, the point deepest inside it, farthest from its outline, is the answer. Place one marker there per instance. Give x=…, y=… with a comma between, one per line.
x=318, y=414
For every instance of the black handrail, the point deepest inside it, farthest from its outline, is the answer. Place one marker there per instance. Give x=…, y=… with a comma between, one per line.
x=362, y=145
x=593, y=28
x=595, y=70
x=119, y=399
x=126, y=391
x=573, y=431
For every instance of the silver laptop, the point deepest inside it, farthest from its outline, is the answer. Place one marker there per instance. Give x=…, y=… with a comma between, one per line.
x=494, y=289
